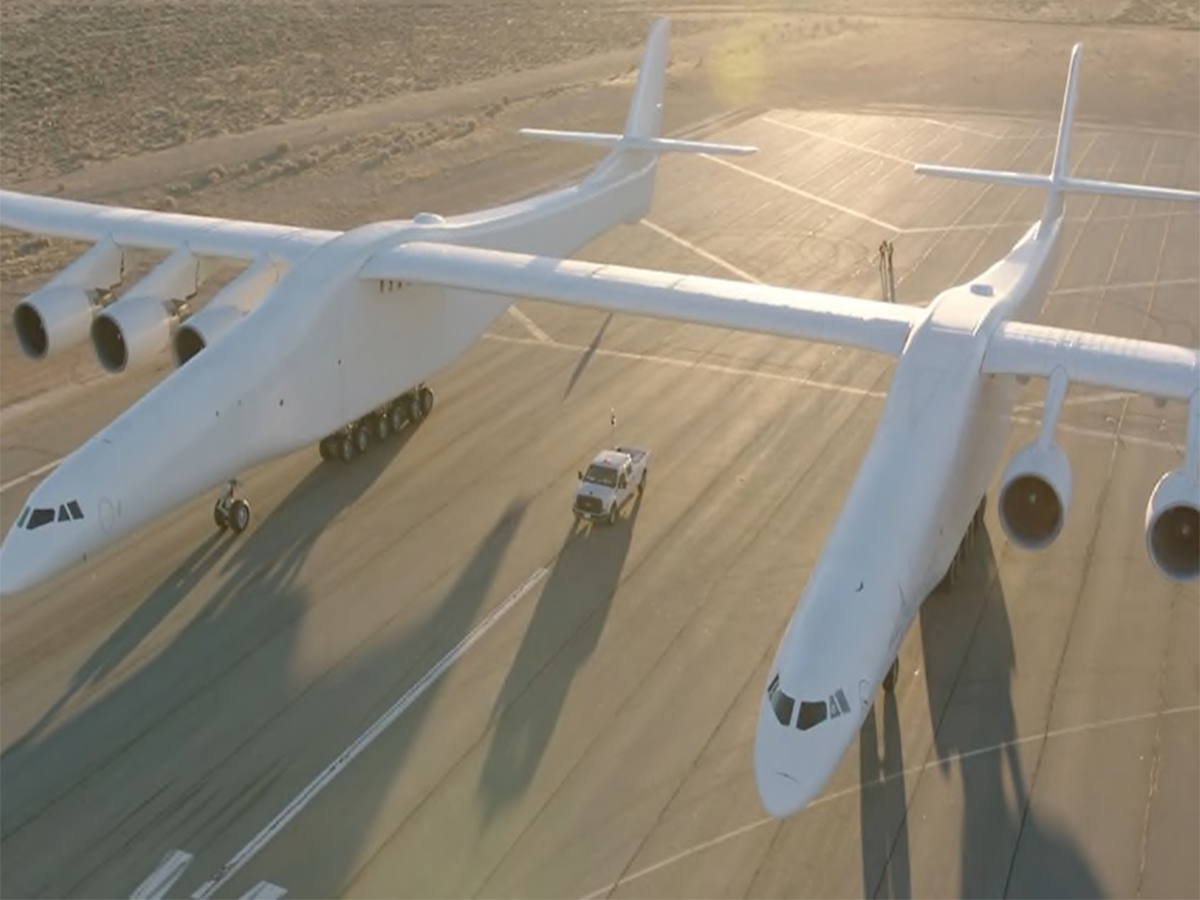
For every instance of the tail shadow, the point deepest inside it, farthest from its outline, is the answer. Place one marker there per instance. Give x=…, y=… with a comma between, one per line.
x=969, y=663
x=562, y=635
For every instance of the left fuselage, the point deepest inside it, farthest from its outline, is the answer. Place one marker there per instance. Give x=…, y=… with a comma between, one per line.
x=936, y=446
x=322, y=349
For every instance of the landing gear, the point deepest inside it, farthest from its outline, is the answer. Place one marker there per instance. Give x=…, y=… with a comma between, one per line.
x=231, y=511
x=352, y=441
x=893, y=672
x=964, y=547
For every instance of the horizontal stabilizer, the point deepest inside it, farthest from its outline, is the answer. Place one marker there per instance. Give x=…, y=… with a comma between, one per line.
x=634, y=142
x=1066, y=184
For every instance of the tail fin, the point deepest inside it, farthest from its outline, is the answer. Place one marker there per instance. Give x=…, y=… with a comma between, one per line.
x=644, y=121
x=1058, y=182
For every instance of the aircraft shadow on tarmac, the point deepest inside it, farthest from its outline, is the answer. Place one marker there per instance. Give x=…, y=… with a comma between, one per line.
x=562, y=634
x=1006, y=848
x=250, y=615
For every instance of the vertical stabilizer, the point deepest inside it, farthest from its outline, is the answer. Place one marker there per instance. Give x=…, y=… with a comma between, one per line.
x=645, y=110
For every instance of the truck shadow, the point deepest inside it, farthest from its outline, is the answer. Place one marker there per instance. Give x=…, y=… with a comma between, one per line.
x=562, y=634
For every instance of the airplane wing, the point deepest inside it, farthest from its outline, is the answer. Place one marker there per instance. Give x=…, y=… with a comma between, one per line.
x=147, y=230
x=828, y=318
x=1156, y=370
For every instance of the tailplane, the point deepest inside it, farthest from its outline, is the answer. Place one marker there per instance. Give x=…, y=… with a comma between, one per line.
x=1058, y=182
x=644, y=120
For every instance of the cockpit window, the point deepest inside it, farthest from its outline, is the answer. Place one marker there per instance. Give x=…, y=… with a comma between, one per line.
x=41, y=516
x=781, y=703
x=601, y=475
x=811, y=714
x=44, y=515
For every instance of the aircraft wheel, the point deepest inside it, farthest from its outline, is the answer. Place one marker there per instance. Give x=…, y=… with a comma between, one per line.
x=396, y=416
x=425, y=395
x=327, y=448
x=383, y=427
x=220, y=515
x=416, y=412
x=346, y=448
x=893, y=673
x=239, y=515
x=362, y=438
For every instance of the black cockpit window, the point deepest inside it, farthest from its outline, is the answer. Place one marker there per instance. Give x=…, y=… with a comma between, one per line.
x=43, y=515
x=76, y=512
x=24, y=516
x=811, y=714
x=63, y=515
x=781, y=703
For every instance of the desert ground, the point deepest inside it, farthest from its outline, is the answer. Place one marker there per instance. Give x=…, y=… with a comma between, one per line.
x=177, y=693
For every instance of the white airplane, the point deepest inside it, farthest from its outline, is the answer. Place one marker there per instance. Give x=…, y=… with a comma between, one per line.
x=363, y=317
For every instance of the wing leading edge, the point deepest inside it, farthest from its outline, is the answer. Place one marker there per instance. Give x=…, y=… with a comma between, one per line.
x=148, y=230
x=786, y=312
x=1157, y=370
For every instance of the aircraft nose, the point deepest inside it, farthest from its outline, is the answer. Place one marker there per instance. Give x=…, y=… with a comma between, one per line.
x=781, y=794
x=782, y=773
x=17, y=569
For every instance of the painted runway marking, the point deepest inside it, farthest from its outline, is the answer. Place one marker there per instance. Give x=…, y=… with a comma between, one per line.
x=856, y=789
x=1100, y=434
x=774, y=182
x=834, y=140
x=161, y=879
x=264, y=890
x=364, y=740
x=1124, y=286
x=530, y=325
x=33, y=473
x=701, y=252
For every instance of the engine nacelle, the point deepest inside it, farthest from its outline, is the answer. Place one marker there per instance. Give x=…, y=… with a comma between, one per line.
x=52, y=319
x=131, y=331
x=202, y=329
x=1035, y=491
x=1173, y=526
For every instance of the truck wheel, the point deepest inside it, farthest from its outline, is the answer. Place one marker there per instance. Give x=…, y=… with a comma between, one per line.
x=642, y=483
x=612, y=515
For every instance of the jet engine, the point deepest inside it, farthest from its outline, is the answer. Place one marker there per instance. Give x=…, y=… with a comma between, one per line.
x=1035, y=491
x=139, y=325
x=225, y=310
x=1173, y=526
x=131, y=331
x=59, y=314
x=53, y=318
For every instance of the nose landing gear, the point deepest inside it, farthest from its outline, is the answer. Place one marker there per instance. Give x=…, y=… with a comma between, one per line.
x=231, y=511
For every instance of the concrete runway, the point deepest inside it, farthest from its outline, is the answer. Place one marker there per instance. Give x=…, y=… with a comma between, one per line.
x=595, y=739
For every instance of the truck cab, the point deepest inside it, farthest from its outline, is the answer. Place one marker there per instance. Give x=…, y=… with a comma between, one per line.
x=610, y=480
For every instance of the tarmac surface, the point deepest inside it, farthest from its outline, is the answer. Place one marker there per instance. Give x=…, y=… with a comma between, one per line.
x=571, y=712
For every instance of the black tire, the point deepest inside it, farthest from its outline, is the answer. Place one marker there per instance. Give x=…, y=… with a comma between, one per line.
x=425, y=395
x=362, y=438
x=642, y=483
x=328, y=451
x=893, y=673
x=383, y=427
x=396, y=417
x=415, y=412
x=612, y=516
x=346, y=449
x=220, y=516
x=239, y=515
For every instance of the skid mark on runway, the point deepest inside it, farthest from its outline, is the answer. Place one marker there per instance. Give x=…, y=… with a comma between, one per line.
x=914, y=770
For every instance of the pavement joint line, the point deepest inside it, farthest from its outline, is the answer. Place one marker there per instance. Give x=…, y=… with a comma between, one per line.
x=297, y=804
x=913, y=770
x=834, y=140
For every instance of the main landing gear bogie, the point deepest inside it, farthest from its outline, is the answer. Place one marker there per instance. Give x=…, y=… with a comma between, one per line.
x=355, y=439
x=231, y=511
x=965, y=546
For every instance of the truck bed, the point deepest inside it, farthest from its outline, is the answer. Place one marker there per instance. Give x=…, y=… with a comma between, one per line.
x=635, y=453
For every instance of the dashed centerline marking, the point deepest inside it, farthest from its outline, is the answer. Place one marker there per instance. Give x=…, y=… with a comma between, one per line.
x=364, y=740
x=161, y=879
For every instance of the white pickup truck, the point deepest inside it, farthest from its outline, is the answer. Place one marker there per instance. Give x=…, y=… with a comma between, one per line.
x=613, y=477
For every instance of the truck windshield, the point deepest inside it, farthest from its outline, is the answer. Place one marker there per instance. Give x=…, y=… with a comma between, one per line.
x=601, y=475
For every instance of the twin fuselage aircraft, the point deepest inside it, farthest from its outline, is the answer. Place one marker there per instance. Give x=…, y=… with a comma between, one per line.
x=330, y=337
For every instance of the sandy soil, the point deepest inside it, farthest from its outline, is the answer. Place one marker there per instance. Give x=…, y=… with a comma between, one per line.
x=334, y=113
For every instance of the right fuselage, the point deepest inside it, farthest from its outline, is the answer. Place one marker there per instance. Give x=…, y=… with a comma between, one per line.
x=938, y=441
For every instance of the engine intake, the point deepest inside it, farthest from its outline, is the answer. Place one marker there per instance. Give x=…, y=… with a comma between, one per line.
x=1173, y=526
x=52, y=319
x=1035, y=491
x=202, y=329
x=131, y=331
